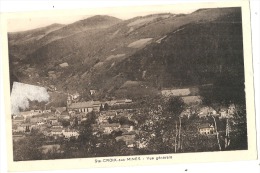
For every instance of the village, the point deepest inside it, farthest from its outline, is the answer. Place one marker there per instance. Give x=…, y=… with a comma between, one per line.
x=111, y=117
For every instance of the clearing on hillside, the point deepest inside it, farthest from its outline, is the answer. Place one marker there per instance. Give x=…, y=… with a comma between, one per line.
x=139, y=43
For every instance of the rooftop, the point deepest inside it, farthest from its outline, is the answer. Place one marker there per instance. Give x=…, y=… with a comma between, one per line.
x=110, y=125
x=87, y=104
x=18, y=118
x=56, y=129
x=61, y=109
x=205, y=125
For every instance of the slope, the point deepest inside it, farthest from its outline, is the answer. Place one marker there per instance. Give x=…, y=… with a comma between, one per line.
x=160, y=50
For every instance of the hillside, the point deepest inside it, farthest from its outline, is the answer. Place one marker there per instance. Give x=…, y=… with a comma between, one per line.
x=25, y=43
x=142, y=54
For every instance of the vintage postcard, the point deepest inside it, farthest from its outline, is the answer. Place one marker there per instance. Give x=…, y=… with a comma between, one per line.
x=132, y=86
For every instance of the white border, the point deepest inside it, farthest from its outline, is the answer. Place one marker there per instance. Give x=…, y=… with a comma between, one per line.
x=244, y=166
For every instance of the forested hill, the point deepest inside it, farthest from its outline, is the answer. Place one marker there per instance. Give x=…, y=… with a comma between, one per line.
x=152, y=52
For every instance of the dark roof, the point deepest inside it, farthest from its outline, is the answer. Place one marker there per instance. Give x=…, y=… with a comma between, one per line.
x=24, y=125
x=61, y=109
x=206, y=125
x=88, y=104
x=64, y=113
x=56, y=129
x=19, y=118
x=125, y=126
x=70, y=130
x=129, y=133
x=52, y=118
x=125, y=138
x=110, y=125
x=37, y=119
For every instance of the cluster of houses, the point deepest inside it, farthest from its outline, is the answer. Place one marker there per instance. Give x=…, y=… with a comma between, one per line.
x=223, y=112
x=48, y=122
x=51, y=121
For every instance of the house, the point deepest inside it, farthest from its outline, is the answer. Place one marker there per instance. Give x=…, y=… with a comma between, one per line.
x=141, y=144
x=224, y=112
x=186, y=113
x=108, y=128
x=109, y=103
x=117, y=102
x=30, y=113
x=75, y=121
x=124, y=114
x=52, y=119
x=64, y=117
x=26, y=114
x=92, y=92
x=46, y=111
x=38, y=111
x=130, y=143
x=231, y=109
x=214, y=113
x=85, y=107
x=56, y=131
x=110, y=113
x=102, y=119
x=127, y=101
x=83, y=119
x=38, y=120
x=96, y=106
x=18, y=119
x=59, y=110
x=57, y=125
x=14, y=116
x=72, y=113
x=96, y=130
x=14, y=127
x=123, y=101
x=206, y=129
x=127, y=128
x=64, y=113
x=24, y=127
x=227, y=112
x=206, y=111
x=128, y=139
x=68, y=133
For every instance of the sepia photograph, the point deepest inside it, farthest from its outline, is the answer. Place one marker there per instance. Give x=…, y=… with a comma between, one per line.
x=131, y=85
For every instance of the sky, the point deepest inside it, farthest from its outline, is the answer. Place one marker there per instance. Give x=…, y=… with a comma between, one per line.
x=27, y=21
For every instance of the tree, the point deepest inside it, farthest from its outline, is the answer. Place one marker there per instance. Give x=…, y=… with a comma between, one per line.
x=159, y=117
x=28, y=148
x=175, y=107
x=228, y=88
x=109, y=120
x=116, y=133
x=106, y=107
x=123, y=120
x=27, y=129
x=65, y=123
x=101, y=107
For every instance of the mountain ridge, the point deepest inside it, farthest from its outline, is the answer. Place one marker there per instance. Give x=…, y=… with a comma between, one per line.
x=106, y=59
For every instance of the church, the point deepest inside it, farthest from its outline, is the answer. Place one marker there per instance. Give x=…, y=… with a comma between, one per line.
x=84, y=107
